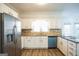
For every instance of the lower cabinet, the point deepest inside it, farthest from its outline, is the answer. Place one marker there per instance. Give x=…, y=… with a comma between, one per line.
x=78, y=49
x=62, y=45
x=23, y=41
x=67, y=47
x=59, y=43
x=35, y=42
x=71, y=48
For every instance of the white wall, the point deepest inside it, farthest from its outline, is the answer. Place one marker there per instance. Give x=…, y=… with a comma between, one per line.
x=70, y=15
x=52, y=17
x=5, y=9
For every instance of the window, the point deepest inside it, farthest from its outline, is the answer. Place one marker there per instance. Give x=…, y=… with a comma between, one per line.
x=67, y=30
x=76, y=30
x=40, y=26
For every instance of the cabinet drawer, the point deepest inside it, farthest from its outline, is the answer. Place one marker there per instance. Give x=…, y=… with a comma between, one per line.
x=72, y=44
x=71, y=53
x=71, y=48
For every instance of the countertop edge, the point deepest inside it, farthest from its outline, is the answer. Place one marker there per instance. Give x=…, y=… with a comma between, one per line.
x=69, y=39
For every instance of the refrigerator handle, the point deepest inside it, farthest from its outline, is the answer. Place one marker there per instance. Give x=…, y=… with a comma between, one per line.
x=14, y=39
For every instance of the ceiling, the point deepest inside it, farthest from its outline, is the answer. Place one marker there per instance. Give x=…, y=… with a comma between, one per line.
x=33, y=7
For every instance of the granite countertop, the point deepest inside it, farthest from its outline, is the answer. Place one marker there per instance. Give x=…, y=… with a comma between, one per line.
x=70, y=38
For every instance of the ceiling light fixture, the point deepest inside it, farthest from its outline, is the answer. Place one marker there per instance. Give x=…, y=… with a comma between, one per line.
x=41, y=3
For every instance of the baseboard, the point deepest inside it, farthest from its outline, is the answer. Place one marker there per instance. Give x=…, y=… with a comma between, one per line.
x=40, y=48
x=52, y=47
x=34, y=48
x=3, y=54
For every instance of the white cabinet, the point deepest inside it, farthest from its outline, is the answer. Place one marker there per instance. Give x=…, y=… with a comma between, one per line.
x=67, y=47
x=78, y=49
x=59, y=43
x=71, y=48
x=34, y=42
x=62, y=45
x=23, y=41
x=28, y=42
x=44, y=42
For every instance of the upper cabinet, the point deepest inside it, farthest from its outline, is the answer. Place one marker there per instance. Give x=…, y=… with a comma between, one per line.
x=5, y=9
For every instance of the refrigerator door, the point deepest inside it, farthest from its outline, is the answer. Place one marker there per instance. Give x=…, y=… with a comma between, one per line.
x=9, y=45
x=18, y=38
x=0, y=33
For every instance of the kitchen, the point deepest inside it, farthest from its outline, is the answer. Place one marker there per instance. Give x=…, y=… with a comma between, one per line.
x=50, y=29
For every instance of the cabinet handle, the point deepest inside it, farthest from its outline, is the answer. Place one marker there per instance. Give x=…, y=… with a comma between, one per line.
x=28, y=40
x=71, y=48
x=71, y=44
x=41, y=40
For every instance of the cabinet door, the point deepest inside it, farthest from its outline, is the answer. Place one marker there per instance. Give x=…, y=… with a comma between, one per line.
x=59, y=43
x=27, y=42
x=34, y=43
x=45, y=42
x=64, y=46
x=22, y=41
x=30, y=41
x=71, y=48
x=37, y=41
x=40, y=43
x=77, y=49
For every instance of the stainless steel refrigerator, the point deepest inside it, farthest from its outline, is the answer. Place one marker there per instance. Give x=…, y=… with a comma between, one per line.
x=10, y=35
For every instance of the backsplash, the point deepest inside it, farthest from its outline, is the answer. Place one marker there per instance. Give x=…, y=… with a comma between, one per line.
x=52, y=32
